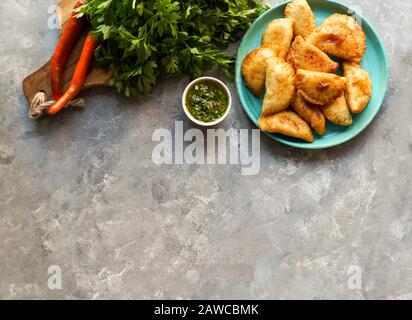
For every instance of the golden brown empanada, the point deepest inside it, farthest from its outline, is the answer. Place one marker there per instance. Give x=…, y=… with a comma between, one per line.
x=338, y=112
x=340, y=36
x=254, y=69
x=280, y=86
x=318, y=87
x=303, y=55
x=287, y=123
x=301, y=13
x=358, y=89
x=278, y=35
x=311, y=114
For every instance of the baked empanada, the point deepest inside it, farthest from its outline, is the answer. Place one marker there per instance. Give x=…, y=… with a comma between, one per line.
x=358, y=89
x=300, y=12
x=311, y=114
x=254, y=69
x=318, y=87
x=338, y=112
x=278, y=35
x=303, y=55
x=340, y=36
x=280, y=86
x=287, y=123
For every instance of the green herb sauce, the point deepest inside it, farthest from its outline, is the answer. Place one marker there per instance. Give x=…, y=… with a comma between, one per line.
x=207, y=101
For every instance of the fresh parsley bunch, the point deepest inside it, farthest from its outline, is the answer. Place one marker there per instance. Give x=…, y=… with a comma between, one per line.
x=144, y=40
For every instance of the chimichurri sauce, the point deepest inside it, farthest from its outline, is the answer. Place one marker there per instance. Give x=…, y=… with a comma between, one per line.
x=207, y=101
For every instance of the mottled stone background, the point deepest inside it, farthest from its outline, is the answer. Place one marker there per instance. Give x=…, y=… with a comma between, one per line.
x=80, y=191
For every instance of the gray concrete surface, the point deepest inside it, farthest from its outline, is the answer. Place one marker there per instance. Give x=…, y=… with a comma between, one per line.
x=81, y=192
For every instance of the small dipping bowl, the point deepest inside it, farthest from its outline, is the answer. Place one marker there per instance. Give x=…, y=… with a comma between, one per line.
x=186, y=107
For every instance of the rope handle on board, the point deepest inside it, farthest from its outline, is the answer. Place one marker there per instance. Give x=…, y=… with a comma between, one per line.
x=40, y=106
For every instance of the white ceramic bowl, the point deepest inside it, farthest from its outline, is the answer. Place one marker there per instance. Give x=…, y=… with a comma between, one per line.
x=186, y=109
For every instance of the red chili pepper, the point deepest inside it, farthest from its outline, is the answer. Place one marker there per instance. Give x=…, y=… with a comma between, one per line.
x=79, y=76
x=71, y=34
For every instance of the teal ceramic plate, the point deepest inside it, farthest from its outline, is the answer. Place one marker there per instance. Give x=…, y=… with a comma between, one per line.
x=375, y=62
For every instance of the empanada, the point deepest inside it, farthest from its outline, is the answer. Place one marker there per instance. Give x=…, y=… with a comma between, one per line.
x=318, y=87
x=358, y=89
x=280, y=86
x=300, y=12
x=287, y=123
x=311, y=114
x=303, y=55
x=254, y=69
x=278, y=35
x=338, y=112
x=340, y=36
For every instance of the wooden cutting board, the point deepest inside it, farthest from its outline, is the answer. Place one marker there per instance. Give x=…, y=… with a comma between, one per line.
x=41, y=81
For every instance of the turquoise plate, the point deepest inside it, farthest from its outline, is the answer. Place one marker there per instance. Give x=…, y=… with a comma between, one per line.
x=375, y=62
